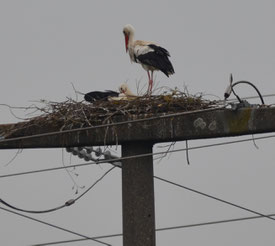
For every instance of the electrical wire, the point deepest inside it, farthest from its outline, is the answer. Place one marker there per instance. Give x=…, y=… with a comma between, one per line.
x=213, y=197
x=201, y=193
x=230, y=89
x=34, y=211
x=209, y=196
x=162, y=229
x=249, y=83
x=259, y=215
x=55, y=226
x=167, y=181
x=95, y=183
x=68, y=203
x=137, y=156
x=72, y=201
x=253, y=97
x=214, y=222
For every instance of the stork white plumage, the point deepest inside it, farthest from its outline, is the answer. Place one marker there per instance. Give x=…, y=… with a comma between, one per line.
x=125, y=93
x=150, y=55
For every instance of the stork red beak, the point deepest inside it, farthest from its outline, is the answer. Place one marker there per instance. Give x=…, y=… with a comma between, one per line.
x=126, y=42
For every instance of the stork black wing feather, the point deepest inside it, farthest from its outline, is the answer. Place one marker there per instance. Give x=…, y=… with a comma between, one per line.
x=159, y=50
x=158, y=59
x=99, y=95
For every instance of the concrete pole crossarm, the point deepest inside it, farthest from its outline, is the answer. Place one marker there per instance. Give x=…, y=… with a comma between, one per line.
x=163, y=128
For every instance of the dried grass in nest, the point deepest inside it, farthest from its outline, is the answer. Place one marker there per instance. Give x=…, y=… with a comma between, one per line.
x=59, y=116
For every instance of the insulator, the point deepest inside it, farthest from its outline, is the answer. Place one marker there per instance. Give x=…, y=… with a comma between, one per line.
x=81, y=154
x=107, y=154
x=68, y=149
x=117, y=163
x=88, y=157
x=98, y=152
x=228, y=91
x=75, y=151
x=89, y=149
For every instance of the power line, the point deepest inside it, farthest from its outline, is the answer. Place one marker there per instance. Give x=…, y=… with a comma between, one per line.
x=236, y=100
x=33, y=211
x=249, y=97
x=163, y=229
x=137, y=156
x=207, y=195
x=55, y=226
x=201, y=193
x=66, y=204
x=214, y=222
x=213, y=197
x=95, y=183
x=173, y=183
x=72, y=201
x=259, y=215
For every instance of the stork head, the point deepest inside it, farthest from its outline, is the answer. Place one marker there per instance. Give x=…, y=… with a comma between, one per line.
x=123, y=88
x=128, y=32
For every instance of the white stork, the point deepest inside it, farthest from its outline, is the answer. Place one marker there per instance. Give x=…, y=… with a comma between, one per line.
x=150, y=55
x=123, y=94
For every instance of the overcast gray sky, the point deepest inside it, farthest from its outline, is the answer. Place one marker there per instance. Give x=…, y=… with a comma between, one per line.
x=47, y=45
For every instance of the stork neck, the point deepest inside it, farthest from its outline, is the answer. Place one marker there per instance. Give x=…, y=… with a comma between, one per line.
x=131, y=39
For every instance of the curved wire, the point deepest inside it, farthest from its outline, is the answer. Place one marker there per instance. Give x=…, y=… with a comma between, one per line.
x=32, y=211
x=112, y=168
x=68, y=203
x=249, y=83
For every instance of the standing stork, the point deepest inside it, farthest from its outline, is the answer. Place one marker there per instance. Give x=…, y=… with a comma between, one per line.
x=150, y=55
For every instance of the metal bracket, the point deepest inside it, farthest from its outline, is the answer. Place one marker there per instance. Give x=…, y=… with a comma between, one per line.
x=243, y=104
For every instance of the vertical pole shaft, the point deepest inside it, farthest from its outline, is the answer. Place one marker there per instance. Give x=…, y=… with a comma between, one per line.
x=138, y=196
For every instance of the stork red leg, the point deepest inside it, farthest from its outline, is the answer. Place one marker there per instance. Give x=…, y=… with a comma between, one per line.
x=151, y=85
x=149, y=76
x=149, y=90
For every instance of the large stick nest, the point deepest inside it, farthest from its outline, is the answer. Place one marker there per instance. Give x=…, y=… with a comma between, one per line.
x=70, y=114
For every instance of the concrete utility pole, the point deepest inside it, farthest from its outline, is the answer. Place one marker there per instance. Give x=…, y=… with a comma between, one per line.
x=138, y=138
x=138, y=195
